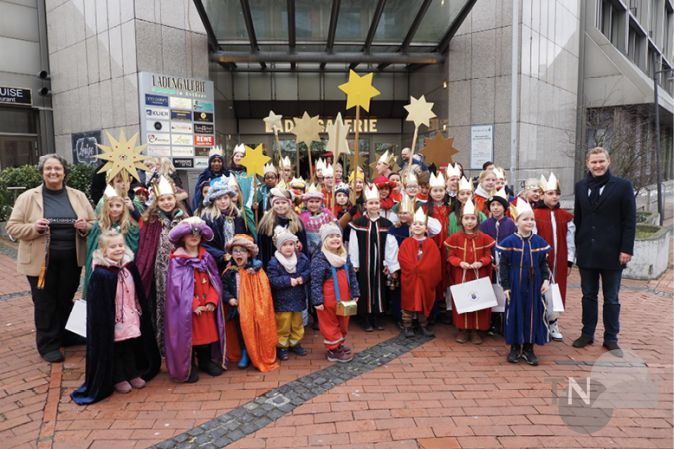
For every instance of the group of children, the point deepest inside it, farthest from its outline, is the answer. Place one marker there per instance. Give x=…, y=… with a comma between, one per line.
x=215, y=289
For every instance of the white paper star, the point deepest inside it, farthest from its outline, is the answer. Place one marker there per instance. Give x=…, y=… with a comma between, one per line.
x=273, y=121
x=337, y=133
x=419, y=111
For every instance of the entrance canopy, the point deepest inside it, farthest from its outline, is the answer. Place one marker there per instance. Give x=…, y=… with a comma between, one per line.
x=324, y=35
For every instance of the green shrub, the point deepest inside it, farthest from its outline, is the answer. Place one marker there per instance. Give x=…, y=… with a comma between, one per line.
x=80, y=178
x=25, y=176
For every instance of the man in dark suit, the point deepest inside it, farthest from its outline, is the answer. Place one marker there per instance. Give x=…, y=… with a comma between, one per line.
x=605, y=218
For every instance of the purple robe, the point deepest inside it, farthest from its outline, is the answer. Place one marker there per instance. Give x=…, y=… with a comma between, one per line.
x=178, y=318
x=147, y=253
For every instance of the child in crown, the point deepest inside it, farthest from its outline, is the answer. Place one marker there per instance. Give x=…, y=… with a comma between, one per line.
x=524, y=276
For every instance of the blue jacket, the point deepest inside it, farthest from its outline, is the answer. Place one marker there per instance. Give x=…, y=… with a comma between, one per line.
x=287, y=298
x=321, y=271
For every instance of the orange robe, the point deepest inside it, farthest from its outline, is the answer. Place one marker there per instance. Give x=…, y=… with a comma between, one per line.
x=469, y=248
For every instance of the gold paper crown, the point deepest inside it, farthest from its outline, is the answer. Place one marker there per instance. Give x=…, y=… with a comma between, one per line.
x=499, y=173
x=501, y=193
x=313, y=189
x=465, y=184
x=361, y=175
x=411, y=178
x=269, y=168
x=407, y=205
x=452, y=170
x=468, y=208
x=285, y=163
x=387, y=158
x=371, y=192
x=297, y=183
x=216, y=151
x=552, y=183
x=532, y=184
x=436, y=181
x=163, y=186
x=419, y=216
x=240, y=148
x=328, y=171
x=282, y=185
x=521, y=206
x=110, y=192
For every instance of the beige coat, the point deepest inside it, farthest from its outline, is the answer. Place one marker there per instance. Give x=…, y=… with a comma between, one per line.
x=27, y=210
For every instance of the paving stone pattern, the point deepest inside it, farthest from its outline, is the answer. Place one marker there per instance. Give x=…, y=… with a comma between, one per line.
x=265, y=409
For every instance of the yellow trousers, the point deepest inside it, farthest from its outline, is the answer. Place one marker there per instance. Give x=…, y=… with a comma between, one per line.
x=290, y=328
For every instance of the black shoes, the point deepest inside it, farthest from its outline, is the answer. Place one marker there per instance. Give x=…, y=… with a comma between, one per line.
x=282, y=354
x=408, y=332
x=514, y=354
x=528, y=354
x=54, y=356
x=582, y=341
x=299, y=350
x=426, y=332
x=614, y=348
x=207, y=365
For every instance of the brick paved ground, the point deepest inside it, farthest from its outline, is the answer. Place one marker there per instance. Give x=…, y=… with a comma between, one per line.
x=439, y=395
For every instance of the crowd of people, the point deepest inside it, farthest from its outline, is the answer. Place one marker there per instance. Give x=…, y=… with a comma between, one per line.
x=234, y=276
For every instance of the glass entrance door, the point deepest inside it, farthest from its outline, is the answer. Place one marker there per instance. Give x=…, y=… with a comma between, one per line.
x=17, y=150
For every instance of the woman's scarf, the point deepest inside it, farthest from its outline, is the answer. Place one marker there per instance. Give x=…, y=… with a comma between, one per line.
x=336, y=260
x=289, y=263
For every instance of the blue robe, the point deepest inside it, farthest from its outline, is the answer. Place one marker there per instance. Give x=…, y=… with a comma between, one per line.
x=523, y=269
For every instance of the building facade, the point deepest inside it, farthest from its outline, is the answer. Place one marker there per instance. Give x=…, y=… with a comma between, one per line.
x=578, y=71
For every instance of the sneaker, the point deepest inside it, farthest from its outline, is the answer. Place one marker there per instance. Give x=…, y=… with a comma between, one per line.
x=137, y=383
x=408, y=332
x=475, y=338
x=426, y=332
x=282, y=353
x=299, y=350
x=613, y=347
x=339, y=355
x=53, y=356
x=582, y=341
x=346, y=349
x=461, y=337
x=555, y=334
x=369, y=328
x=514, y=354
x=529, y=356
x=123, y=387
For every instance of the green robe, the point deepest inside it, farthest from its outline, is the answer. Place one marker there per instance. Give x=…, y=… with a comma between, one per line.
x=131, y=240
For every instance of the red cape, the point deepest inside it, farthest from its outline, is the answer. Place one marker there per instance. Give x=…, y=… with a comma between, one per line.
x=418, y=277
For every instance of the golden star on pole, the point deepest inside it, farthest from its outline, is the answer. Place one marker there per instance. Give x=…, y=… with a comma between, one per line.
x=123, y=156
x=420, y=111
x=359, y=90
x=306, y=129
x=273, y=121
x=337, y=133
x=439, y=150
x=254, y=160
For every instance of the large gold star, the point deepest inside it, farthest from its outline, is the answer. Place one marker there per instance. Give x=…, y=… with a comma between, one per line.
x=254, y=160
x=337, y=133
x=439, y=150
x=273, y=121
x=123, y=156
x=359, y=90
x=419, y=111
x=306, y=129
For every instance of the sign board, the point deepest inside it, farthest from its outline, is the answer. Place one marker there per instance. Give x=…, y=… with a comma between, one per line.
x=15, y=96
x=84, y=147
x=481, y=145
x=170, y=106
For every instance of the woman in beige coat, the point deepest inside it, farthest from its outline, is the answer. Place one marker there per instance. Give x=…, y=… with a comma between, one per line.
x=51, y=223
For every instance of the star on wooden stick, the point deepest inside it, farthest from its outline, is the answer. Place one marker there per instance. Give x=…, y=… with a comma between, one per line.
x=439, y=150
x=273, y=122
x=359, y=90
x=254, y=160
x=419, y=111
x=337, y=142
x=306, y=129
x=123, y=156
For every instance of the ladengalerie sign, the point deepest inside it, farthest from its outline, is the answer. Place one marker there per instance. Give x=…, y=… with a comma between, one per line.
x=15, y=96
